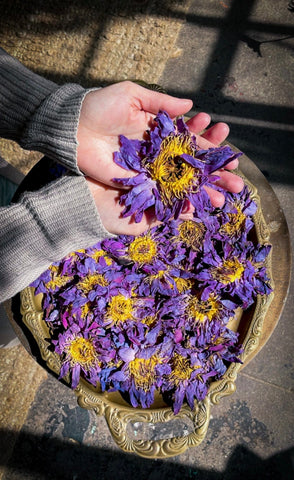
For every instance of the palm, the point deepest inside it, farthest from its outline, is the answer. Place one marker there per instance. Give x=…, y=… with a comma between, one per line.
x=128, y=109
x=102, y=121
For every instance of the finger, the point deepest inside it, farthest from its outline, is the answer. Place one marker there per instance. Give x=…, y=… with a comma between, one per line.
x=217, y=134
x=217, y=198
x=229, y=181
x=152, y=102
x=232, y=165
x=199, y=122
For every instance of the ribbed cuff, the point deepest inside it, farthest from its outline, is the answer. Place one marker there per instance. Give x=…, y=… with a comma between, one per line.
x=52, y=129
x=44, y=227
x=66, y=215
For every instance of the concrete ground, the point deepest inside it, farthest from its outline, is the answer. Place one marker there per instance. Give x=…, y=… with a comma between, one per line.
x=235, y=59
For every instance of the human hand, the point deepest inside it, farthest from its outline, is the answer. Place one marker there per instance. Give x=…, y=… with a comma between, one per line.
x=121, y=109
x=107, y=197
x=128, y=109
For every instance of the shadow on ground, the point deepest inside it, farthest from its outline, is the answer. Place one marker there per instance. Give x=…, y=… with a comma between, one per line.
x=263, y=129
x=47, y=458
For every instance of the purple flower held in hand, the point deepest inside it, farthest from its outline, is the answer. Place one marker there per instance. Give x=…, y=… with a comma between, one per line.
x=171, y=170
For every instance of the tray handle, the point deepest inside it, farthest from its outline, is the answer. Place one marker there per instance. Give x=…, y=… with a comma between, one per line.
x=119, y=418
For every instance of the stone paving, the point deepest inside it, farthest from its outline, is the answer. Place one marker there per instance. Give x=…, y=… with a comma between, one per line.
x=235, y=59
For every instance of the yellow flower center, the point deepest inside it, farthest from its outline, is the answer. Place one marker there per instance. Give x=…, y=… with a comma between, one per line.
x=192, y=233
x=173, y=175
x=143, y=249
x=57, y=282
x=229, y=271
x=120, y=308
x=149, y=320
x=143, y=371
x=156, y=276
x=202, y=310
x=88, y=283
x=183, y=284
x=235, y=223
x=85, y=310
x=181, y=369
x=54, y=269
x=82, y=351
x=161, y=275
x=100, y=253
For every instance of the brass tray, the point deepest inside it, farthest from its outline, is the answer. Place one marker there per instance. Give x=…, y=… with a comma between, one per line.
x=255, y=326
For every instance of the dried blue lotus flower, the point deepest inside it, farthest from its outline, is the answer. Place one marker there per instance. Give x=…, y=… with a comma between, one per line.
x=171, y=169
x=236, y=216
x=150, y=313
x=76, y=345
x=237, y=272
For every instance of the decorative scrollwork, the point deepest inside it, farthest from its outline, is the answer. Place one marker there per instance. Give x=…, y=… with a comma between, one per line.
x=25, y=299
x=223, y=389
x=90, y=400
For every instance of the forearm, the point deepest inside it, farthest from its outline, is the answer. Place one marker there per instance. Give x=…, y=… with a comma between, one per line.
x=37, y=113
x=43, y=227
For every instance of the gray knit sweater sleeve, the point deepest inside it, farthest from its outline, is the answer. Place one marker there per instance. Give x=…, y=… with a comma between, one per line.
x=44, y=225
x=37, y=113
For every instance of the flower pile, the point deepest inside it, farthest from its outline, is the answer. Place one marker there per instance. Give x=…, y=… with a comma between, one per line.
x=150, y=313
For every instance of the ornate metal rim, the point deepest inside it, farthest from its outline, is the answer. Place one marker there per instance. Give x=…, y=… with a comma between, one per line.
x=117, y=412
